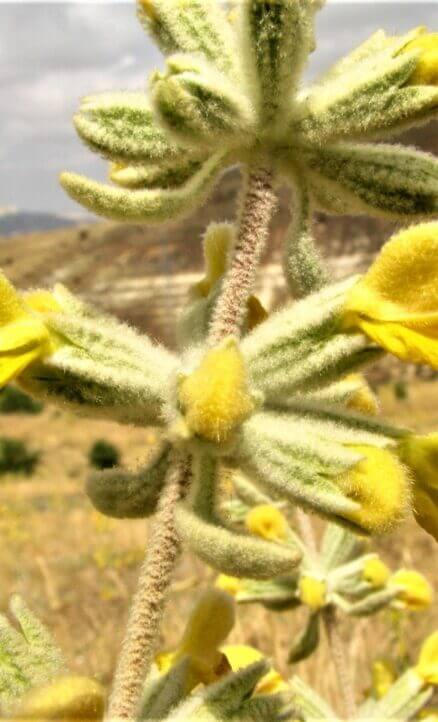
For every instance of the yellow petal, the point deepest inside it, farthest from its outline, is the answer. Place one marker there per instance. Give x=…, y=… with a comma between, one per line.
x=42, y=301
x=396, y=302
x=426, y=72
x=209, y=625
x=427, y=667
x=215, y=397
x=268, y=522
x=240, y=656
x=313, y=592
x=383, y=677
x=420, y=453
x=380, y=485
x=414, y=590
x=67, y=698
x=375, y=572
x=228, y=584
x=14, y=363
x=11, y=306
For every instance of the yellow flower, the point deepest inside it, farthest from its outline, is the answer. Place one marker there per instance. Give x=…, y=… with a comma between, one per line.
x=426, y=72
x=215, y=398
x=23, y=336
x=240, y=656
x=380, y=486
x=313, y=592
x=228, y=584
x=66, y=698
x=429, y=714
x=420, y=454
x=375, y=572
x=268, y=522
x=427, y=667
x=383, y=677
x=415, y=592
x=396, y=302
x=208, y=627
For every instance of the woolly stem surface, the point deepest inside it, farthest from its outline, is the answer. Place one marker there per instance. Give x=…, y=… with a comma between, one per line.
x=258, y=206
x=340, y=661
x=147, y=607
x=337, y=648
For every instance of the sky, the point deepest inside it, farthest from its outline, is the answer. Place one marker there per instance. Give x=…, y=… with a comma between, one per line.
x=51, y=54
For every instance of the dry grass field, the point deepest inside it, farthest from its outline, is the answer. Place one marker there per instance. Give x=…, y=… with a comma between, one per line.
x=77, y=569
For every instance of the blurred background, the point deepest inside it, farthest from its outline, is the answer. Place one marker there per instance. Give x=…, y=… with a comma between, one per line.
x=76, y=568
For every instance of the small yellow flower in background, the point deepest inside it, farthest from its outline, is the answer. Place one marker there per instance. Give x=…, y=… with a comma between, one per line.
x=268, y=522
x=420, y=454
x=208, y=627
x=215, y=398
x=380, y=484
x=313, y=592
x=23, y=336
x=240, y=656
x=218, y=239
x=427, y=667
x=415, y=592
x=426, y=72
x=66, y=698
x=396, y=302
x=228, y=584
x=375, y=572
x=383, y=677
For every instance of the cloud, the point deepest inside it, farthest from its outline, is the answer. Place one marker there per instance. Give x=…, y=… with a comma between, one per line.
x=52, y=54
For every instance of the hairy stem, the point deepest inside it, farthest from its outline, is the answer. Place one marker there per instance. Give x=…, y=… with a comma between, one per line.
x=259, y=203
x=142, y=632
x=337, y=648
x=341, y=662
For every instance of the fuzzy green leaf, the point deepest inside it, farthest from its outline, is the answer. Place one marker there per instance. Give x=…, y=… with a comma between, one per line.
x=276, y=38
x=309, y=703
x=225, y=549
x=121, y=126
x=199, y=27
x=124, y=495
x=307, y=642
x=155, y=175
x=405, y=698
x=163, y=692
x=197, y=104
x=28, y=656
x=389, y=180
x=152, y=206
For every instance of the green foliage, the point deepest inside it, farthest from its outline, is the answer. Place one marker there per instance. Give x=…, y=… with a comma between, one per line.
x=16, y=458
x=401, y=390
x=103, y=455
x=15, y=401
x=28, y=655
x=123, y=494
x=234, y=82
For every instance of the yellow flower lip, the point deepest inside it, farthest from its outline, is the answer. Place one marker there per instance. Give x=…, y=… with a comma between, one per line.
x=376, y=573
x=427, y=667
x=313, y=592
x=426, y=71
x=66, y=698
x=396, y=302
x=215, y=398
x=381, y=506
x=240, y=656
x=414, y=591
x=267, y=522
x=24, y=337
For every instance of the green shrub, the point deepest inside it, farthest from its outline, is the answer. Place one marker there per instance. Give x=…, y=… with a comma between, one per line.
x=15, y=457
x=104, y=455
x=401, y=391
x=15, y=401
